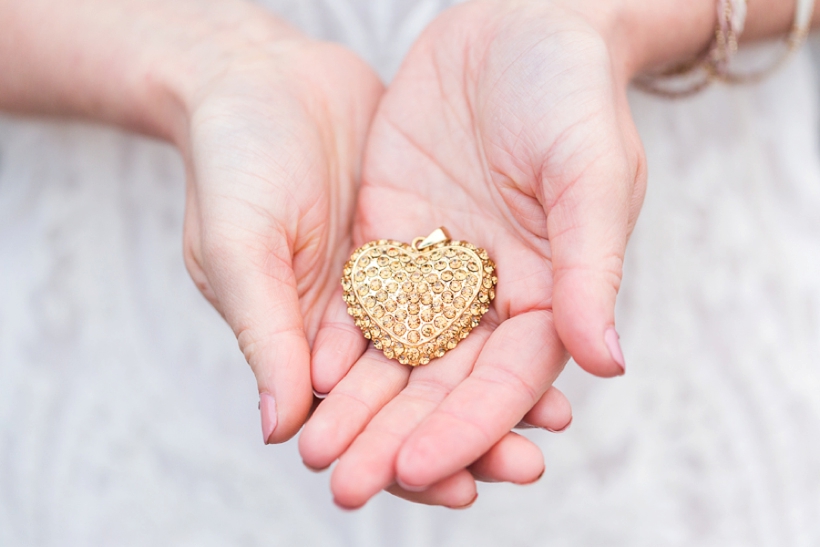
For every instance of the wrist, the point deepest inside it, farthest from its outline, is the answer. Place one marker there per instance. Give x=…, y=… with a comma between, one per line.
x=641, y=35
x=190, y=60
x=645, y=35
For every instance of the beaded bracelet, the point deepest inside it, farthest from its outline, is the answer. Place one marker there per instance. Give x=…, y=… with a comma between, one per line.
x=690, y=77
x=795, y=39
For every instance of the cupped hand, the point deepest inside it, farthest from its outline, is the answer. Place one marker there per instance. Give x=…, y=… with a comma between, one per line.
x=508, y=124
x=273, y=154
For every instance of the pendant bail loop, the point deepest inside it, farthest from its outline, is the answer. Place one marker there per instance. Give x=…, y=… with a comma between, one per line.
x=440, y=235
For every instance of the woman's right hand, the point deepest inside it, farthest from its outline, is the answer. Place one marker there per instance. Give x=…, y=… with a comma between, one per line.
x=271, y=126
x=273, y=150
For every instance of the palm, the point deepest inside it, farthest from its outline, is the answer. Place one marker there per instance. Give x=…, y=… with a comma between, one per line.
x=489, y=125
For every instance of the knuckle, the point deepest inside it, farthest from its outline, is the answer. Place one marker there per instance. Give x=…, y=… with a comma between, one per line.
x=343, y=328
x=191, y=251
x=193, y=264
x=255, y=343
x=608, y=269
x=248, y=344
x=508, y=379
x=611, y=270
x=641, y=168
x=426, y=390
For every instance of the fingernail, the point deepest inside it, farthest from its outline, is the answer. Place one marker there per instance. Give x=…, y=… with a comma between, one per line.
x=319, y=395
x=314, y=469
x=472, y=502
x=536, y=479
x=410, y=488
x=267, y=407
x=481, y=478
x=569, y=423
x=614, y=345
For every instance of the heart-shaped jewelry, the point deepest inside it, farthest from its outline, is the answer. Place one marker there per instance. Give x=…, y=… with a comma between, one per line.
x=416, y=302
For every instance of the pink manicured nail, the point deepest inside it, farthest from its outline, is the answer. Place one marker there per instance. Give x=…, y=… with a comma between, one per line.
x=267, y=407
x=469, y=504
x=410, y=488
x=569, y=423
x=613, y=343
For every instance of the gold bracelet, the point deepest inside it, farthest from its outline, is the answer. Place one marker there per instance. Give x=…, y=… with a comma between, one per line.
x=795, y=40
x=690, y=77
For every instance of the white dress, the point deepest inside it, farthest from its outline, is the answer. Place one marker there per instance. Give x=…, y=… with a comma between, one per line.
x=128, y=417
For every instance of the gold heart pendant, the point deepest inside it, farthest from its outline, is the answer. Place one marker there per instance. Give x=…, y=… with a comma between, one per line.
x=416, y=302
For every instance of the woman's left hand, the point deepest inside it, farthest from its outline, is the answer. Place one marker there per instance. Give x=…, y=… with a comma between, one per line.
x=508, y=124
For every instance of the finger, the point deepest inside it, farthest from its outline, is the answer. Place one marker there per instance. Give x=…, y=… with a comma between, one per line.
x=588, y=225
x=516, y=366
x=513, y=459
x=371, y=383
x=369, y=464
x=552, y=412
x=258, y=297
x=339, y=343
x=455, y=492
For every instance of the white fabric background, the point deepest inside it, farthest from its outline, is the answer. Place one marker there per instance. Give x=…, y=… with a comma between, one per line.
x=128, y=417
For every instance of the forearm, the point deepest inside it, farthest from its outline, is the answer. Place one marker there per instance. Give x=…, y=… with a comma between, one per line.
x=136, y=63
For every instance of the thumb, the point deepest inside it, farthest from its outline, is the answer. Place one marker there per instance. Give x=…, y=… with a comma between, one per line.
x=257, y=295
x=588, y=227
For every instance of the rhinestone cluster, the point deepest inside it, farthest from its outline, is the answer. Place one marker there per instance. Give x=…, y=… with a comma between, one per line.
x=415, y=305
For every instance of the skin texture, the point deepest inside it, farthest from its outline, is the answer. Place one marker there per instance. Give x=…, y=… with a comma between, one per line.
x=507, y=123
